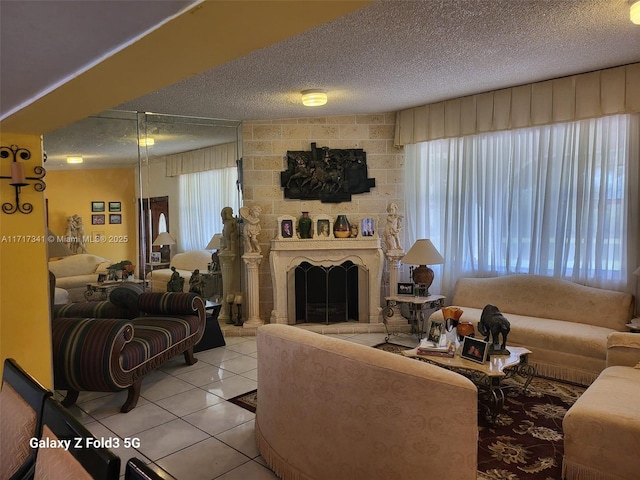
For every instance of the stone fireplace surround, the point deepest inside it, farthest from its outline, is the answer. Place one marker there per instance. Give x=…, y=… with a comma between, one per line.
x=287, y=254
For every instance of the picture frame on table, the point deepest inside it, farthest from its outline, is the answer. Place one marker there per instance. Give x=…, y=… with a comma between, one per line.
x=367, y=228
x=155, y=257
x=115, y=207
x=97, y=206
x=286, y=228
x=115, y=218
x=474, y=349
x=98, y=219
x=405, y=288
x=436, y=329
x=323, y=228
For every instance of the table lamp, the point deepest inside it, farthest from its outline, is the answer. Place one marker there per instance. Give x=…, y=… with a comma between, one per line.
x=162, y=239
x=214, y=244
x=423, y=253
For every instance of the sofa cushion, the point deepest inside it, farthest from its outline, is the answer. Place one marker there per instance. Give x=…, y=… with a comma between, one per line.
x=103, y=309
x=82, y=264
x=547, y=297
x=126, y=295
x=191, y=260
x=155, y=335
x=76, y=281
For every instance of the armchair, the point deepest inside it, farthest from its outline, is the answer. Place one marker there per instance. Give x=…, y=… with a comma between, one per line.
x=112, y=354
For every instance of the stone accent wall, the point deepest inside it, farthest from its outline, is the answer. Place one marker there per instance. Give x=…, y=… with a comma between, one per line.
x=264, y=148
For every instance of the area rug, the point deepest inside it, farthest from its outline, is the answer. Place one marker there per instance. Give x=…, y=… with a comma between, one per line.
x=526, y=441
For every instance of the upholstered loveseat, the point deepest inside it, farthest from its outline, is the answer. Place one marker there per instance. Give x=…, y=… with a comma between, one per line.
x=602, y=429
x=74, y=272
x=333, y=409
x=564, y=324
x=108, y=347
x=185, y=263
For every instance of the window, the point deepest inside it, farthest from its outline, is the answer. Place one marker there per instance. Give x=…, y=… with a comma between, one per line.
x=554, y=200
x=203, y=195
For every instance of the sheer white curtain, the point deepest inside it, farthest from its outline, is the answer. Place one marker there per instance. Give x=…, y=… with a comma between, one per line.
x=203, y=195
x=558, y=200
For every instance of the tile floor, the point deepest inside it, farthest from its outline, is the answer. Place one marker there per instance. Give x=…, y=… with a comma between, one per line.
x=186, y=428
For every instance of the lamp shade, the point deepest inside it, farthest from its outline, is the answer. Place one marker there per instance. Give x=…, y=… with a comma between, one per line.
x=423, y=253
x=215, y=242
x=164, y=239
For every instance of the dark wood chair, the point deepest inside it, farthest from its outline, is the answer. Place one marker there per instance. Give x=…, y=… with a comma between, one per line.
x=22, y=401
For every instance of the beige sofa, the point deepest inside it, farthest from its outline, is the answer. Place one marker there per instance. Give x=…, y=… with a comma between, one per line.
x=333, y=409
x=564, y=324
x=74, y=272
x=602, y=429
x=185, y=264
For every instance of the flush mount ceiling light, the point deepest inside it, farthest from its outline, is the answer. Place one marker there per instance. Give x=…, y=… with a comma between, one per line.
x=146, y=142
x=314, y=98
x=75, y=160
x=634, y=12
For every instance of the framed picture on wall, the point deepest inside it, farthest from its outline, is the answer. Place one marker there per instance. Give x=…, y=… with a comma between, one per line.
x=115, y=207
x=115, y=218
x=97, y=219
x=97, y=206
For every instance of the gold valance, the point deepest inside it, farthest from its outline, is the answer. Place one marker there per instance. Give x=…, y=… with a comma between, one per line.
x=605, y=92
x=210, y=158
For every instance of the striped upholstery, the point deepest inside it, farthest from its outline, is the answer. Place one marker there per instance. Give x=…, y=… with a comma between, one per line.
x=104, y=309
x=110, y=354
x=126, y=296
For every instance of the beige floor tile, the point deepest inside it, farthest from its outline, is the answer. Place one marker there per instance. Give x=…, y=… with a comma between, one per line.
x=219, y=418
x=176, y=365
x=137, y=420
x=247, y=347
x=251, y=374
x=205, y=375
x=250, y=470
x=231, y=387
x=189, y=402
x=240, y=365
x=215, y=356
x=164, y=388
x=203, y=461
x=242, y=438
x=108, y=405
x=168, y=438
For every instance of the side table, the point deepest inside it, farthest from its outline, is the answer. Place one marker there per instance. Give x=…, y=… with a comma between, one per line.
x=417, y=307
x=104, y=288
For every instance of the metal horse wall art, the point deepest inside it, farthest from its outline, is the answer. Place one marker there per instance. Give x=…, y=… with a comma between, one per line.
x=328, y=175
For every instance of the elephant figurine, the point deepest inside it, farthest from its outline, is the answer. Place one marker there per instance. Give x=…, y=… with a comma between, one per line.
x=493, y=324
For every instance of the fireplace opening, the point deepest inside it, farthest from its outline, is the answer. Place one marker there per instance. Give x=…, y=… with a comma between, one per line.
x=326, y=294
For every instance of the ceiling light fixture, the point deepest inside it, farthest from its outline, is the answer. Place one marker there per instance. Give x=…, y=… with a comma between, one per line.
x=75, y=160
x=146, y=142
x=634, y=12
x=314, y=98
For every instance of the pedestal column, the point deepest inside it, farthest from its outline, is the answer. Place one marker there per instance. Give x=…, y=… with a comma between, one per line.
x=394, y=257
x=252, y=297
x=228, y=281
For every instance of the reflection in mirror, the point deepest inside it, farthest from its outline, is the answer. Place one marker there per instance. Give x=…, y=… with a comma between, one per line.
x=137, y=169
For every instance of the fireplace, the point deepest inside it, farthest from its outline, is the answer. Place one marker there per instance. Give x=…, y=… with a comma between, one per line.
x=326, y=281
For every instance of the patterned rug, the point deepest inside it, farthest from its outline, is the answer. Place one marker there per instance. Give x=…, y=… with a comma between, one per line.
x=526, y=441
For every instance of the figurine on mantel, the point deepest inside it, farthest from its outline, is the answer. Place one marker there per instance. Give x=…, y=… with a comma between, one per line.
x=251, y=217
x=393, y=227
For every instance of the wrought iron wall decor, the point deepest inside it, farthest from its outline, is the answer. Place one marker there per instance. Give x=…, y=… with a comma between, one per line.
x=18, y=178
x=326, y=174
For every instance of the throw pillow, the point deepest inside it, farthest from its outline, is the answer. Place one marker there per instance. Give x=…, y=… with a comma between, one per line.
x=126, y=295
x=103, y=267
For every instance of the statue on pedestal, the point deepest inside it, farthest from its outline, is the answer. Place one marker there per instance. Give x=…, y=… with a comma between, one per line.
x=229, y=230
x=393, y=227
x=251, y=217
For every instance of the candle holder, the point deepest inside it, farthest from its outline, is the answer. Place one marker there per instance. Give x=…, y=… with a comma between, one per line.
x=239, y=320
x=230, y=298
x=18, y=178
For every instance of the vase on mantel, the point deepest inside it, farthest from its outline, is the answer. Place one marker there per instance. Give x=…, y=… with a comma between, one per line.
x=304, y=225
x=342, y=228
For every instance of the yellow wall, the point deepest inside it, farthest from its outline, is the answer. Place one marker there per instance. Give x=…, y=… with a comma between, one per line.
x=71, y=192
x=25, y=329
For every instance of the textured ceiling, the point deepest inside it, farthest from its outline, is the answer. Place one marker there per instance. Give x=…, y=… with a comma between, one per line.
x=387, y=56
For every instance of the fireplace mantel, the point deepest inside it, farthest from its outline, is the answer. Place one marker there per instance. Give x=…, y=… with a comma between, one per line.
x=288, y=254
